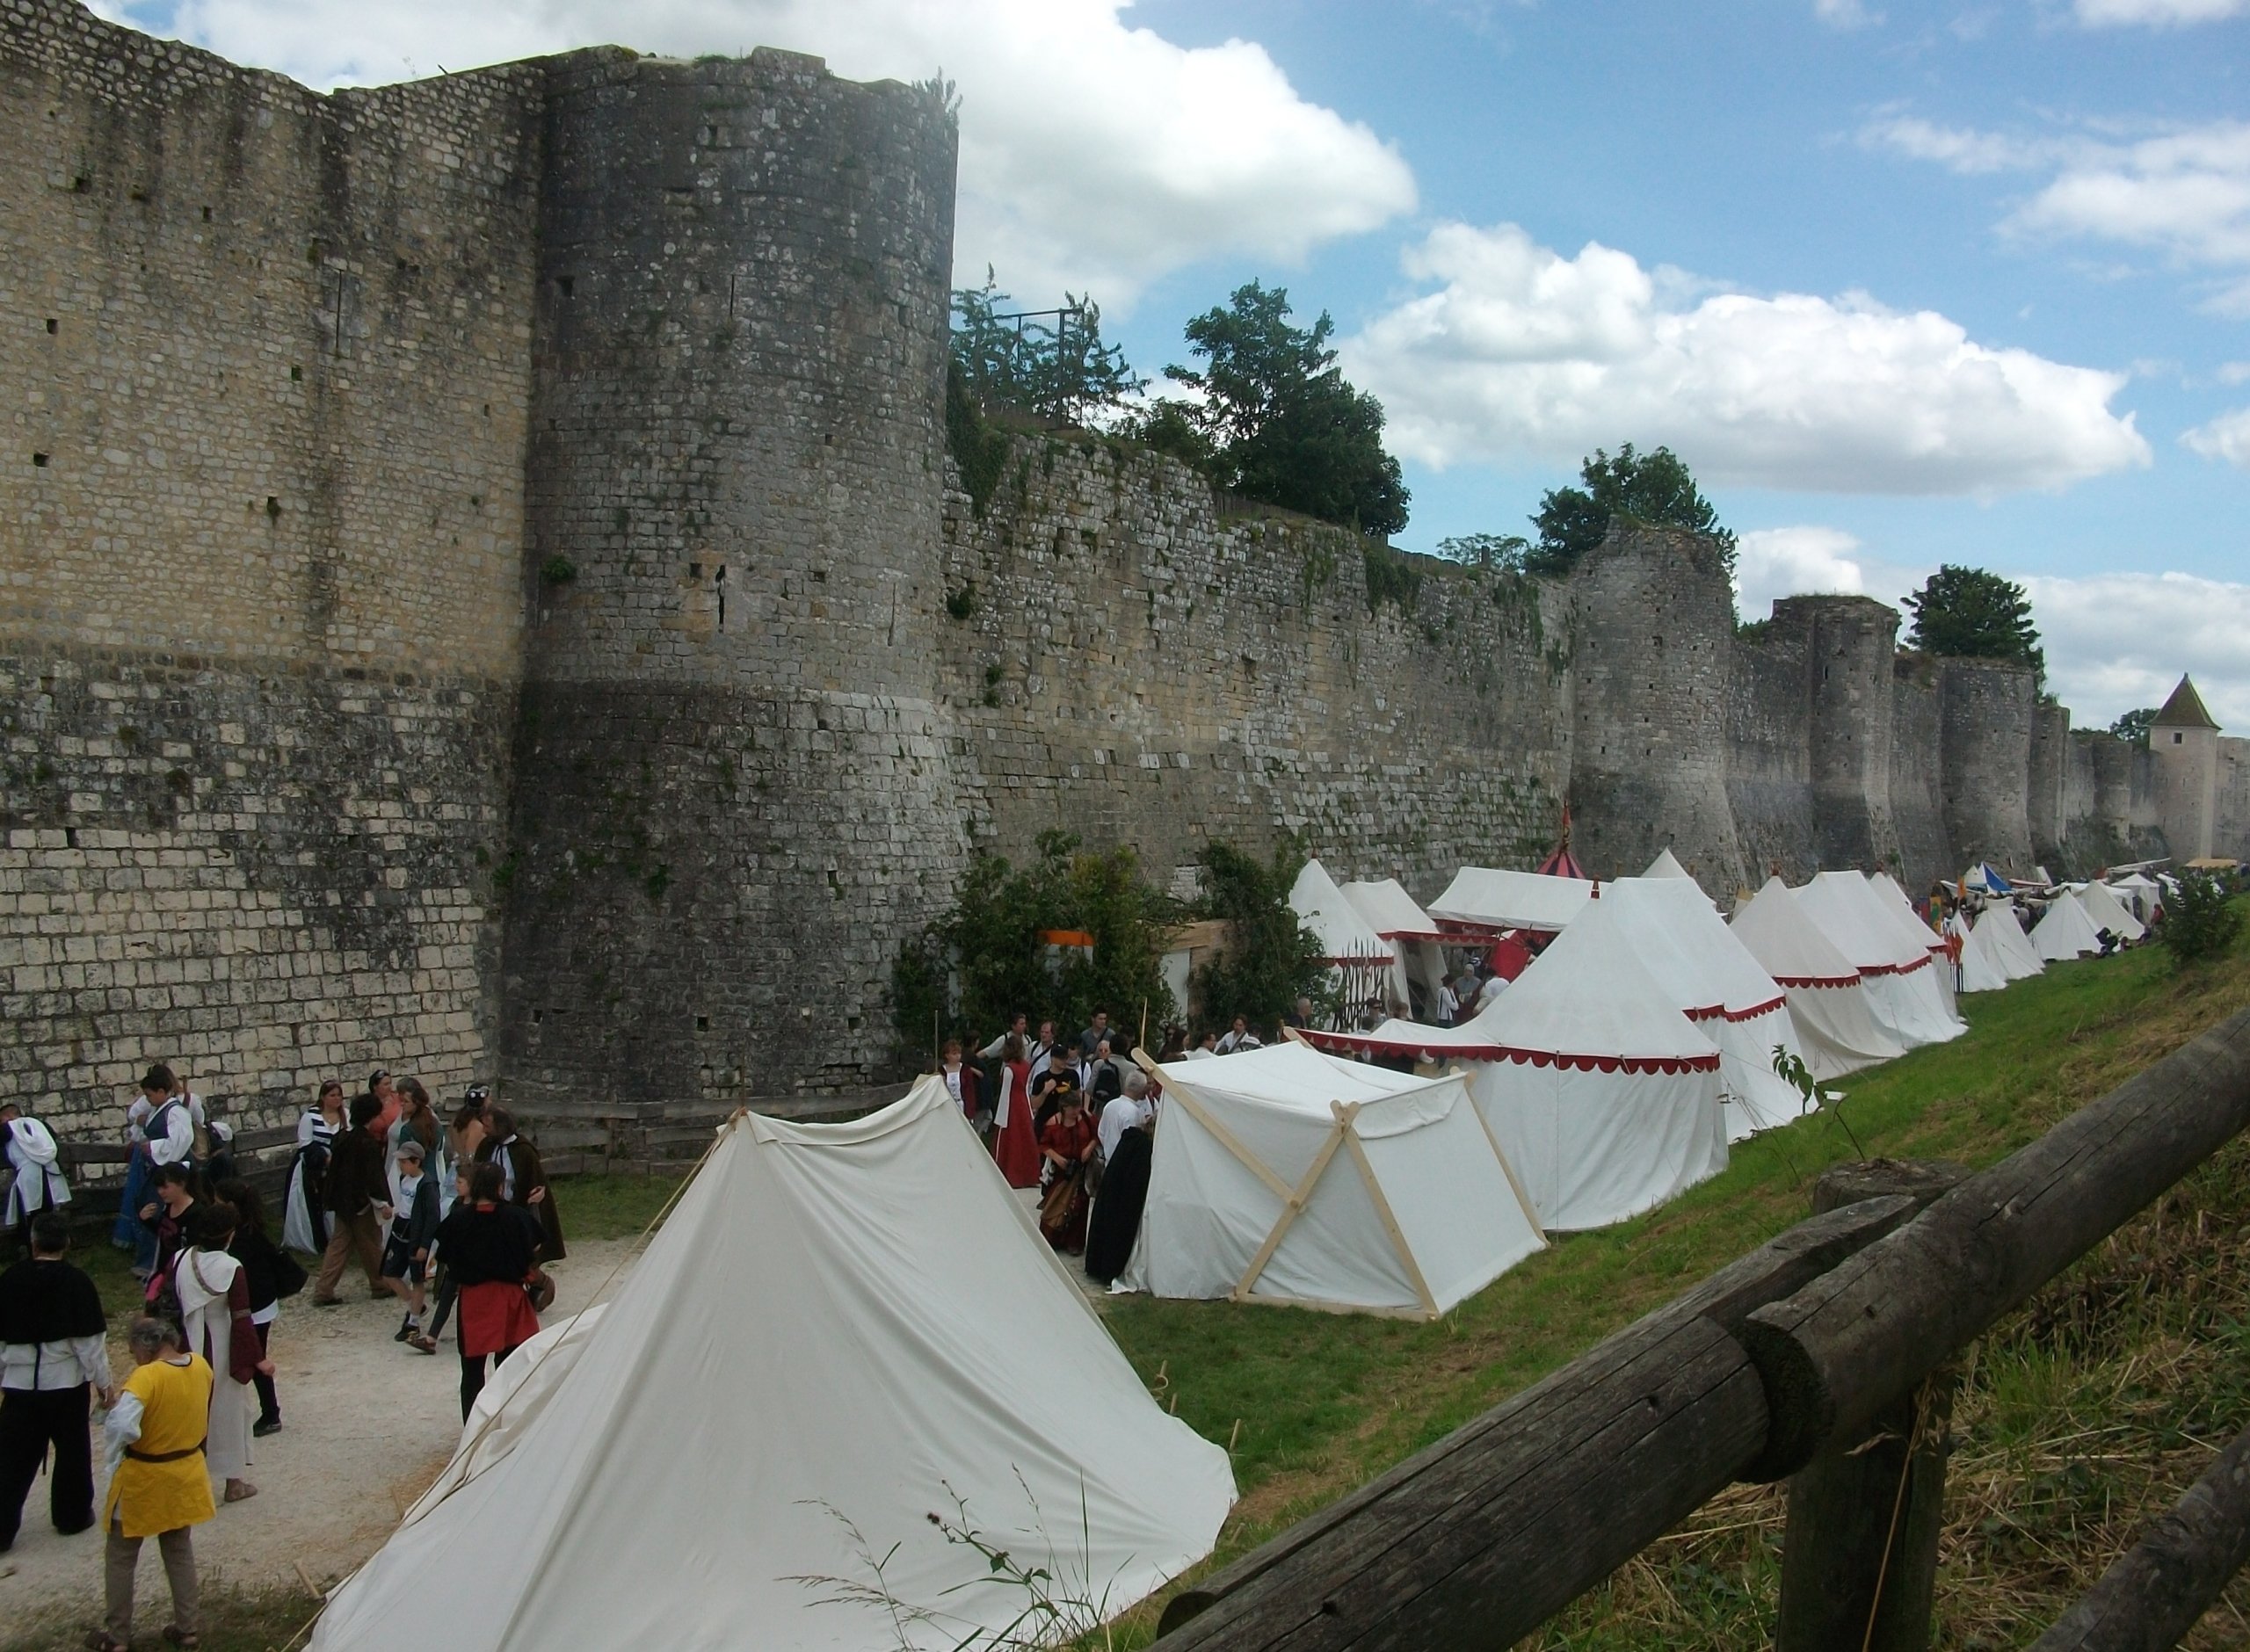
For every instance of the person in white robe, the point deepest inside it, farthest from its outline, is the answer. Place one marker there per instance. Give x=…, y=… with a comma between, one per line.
x=29, y=1150
x=214, y=1309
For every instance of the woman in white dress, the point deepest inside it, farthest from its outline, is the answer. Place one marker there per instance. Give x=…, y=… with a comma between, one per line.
x=304, y=1223
x=214, y=1309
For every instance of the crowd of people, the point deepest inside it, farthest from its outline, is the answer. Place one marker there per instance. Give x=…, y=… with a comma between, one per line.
x=449, y=1218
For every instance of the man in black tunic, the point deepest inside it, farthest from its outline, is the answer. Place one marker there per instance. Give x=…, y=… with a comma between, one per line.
x=51, y=1361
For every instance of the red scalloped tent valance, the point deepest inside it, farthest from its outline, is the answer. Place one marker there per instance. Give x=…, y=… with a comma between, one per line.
x=1348, y=1043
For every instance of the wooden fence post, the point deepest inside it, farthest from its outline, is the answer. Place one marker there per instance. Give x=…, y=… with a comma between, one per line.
x=1859, y=1560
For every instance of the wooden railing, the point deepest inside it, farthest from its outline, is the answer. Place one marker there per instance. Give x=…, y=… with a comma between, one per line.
x=1788, y=1362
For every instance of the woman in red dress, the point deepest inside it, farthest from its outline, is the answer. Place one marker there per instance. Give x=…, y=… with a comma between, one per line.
x=1015, y=1139
x=1067, y=1146
x=491, y=1249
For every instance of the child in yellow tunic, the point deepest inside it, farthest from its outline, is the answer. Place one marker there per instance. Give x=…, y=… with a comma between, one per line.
x=159, y=1485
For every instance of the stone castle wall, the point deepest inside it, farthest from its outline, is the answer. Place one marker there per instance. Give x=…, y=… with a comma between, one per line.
x=267, y=390
x=483, y=590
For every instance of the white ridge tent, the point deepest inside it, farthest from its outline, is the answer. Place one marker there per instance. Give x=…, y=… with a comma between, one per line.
x=1413, y=934
x=1902, y=987
x=1893, y=901
x=1712, y=980
x=1835, y=1027
x=1667, y=865
x=1498, y=900
x=848, y=1322
x=1284, y=1174
x=2066, y=931
x=2017, y=955
x=2138, y=892
x=1603, y=1096
x=1983, y=969
x=1356, y=956
x=2106, y=911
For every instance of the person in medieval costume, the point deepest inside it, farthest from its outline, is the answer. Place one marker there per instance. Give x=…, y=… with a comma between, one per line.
x=304, y=1210
x=153, y=1441
x=1068, y=1146
x=523, y=1179
x=28, y=1152
x=1128, y=1139
x=490, y=1247
x=1015, y=1139
x=160, y=1131
x=52, y=1362
x=215, y=1311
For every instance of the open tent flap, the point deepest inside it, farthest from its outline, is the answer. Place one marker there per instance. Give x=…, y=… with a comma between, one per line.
x=1412, y=933
x=803, y=1341
x=1285, y=1175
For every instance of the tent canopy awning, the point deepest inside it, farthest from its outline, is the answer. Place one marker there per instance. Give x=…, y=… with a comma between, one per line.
x=1391, y=912
x=1492, y=898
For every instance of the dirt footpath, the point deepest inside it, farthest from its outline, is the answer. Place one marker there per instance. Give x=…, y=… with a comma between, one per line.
x=366, y=1423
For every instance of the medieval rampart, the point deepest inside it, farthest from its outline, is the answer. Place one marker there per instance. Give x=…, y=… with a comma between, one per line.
x=485, y=593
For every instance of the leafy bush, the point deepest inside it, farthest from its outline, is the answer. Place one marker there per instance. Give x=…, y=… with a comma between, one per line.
x=2199, y=920
x=981, y=452
x=1270, y=960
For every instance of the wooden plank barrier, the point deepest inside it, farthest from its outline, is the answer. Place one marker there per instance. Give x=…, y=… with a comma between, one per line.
x=1478, y=1540
x=2183, y=1562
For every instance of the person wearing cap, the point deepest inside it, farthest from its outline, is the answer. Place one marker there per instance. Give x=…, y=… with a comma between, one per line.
x=413, y=1217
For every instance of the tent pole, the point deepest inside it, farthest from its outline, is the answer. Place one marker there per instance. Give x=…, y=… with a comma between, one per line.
x=1507, y=1168
x=1177, y=1092
x=1344, y=1113
x=1290, y=1209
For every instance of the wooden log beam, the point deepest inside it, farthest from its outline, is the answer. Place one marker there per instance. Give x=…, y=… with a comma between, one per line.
x=2183, y=1562
x=1478, y=1540
x=1857, y=1338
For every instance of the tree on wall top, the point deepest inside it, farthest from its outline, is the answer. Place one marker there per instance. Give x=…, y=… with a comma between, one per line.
x=1275, y=418
x=2135, y=724
x=1041, y=361
x=1971, y=613
x=1652, y=488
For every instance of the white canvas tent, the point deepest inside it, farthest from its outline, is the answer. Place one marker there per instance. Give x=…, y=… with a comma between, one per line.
x=850, y=1320
x=2106, y=911
x=1667, y=865
x=1285, y=1175
x=2064, y=931
x=1362, y=965
x=2138, y=892
x=2013, y=948
x=1712, y=980
x=1413, y=934
x=1982, y=968
x=1836, y=1028
x=1493, y=899
x=1902, y=987
x=1603, y=1096
x=1893, y=902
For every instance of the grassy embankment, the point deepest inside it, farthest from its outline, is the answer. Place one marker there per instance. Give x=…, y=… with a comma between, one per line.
x=2081, y=1416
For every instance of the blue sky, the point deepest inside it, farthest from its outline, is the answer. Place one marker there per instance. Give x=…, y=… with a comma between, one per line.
x=1965, y=284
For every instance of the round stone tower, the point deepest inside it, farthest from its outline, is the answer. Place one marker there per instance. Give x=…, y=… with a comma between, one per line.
x=1855, y=644
x=1653, y=631
x=1987, y=713
x=734, y=795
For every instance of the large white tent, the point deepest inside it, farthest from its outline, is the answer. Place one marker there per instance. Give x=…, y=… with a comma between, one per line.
x=840, y=1323
x=1603, y=1096
x=1711, y=979
x=1413, y=934
x=1360, y=963
x=2064, y=931
x=2106, y=911
x=1982, y=968
x=1493, y=899
x=1285, y=1175
x=2018, y=956
x=1835, y=1027
x=2138, y=892
x=1902, y=986
x=1667, y=865
x=1893, y=902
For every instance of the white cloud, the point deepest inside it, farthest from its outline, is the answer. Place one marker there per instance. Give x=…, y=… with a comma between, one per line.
x=1774, y=562
x=2117, y=641
x=1521, y=352
x=2159, y=14
x=2183, y=193
x=1845, y=14
x=2226, y=437
x=1093, y=155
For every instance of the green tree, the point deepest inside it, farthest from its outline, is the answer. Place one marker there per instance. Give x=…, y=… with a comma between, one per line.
x=1496, y=553
x=2134, y=725
x=1284, y=424
x=1271, y=959
x=1969, y=613
x=1654, y=490
x=2201, y=920
x=1165, y=427
x=1053, y=363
